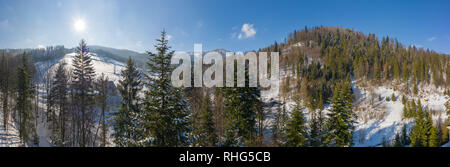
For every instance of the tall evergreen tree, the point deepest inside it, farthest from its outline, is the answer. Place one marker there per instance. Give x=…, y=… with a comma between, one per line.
x=166, y=112
x=82, y=84
x=279, y=125
x=127, y=120
x=59, y=100
x=317, y=134
x=296, y=132
x=4, y=82
x=340, y=124
x=24, y=107
x=423, y=133
x=241, y=106
x=102, y=89
x=206, y=132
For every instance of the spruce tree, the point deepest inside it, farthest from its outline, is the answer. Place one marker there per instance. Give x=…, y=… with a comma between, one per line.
x=59, y=103
x=102, y=89
x=423, y=133
x=241, y=106
x=127, y=121
x=206, y=132
x=4, y=82
x=340, y=124
x=166, y=112
x=23, y=107
x=404, y=136
x=279, y=125
x=393, y=97
x=397, y=141
x=82, y=85
x=432, y=133
x=317, y=132
x=296, y=132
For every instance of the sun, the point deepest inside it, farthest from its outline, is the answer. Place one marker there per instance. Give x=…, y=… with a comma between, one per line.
x=79, y=25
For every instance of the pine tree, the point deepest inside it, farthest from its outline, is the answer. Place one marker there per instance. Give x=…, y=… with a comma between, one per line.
x=393, y=97
x=4, y=82
x=23, y=107
x=423, y=133
x=404, y=101
x=278, y=125
x=127, y=121
x=296, y=132
x=82, y=84
x=166, y=112
x=340, y=124
x=241, y=106
x=404, y=140
x=206, y=132
x=59, y=104
x=317, y=132
x=397, y=141
x=102, y=89
x=431, y=132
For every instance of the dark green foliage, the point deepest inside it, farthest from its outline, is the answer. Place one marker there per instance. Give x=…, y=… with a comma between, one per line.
x=58, y=106
x=82, y=85
x=296, y=132
x=127, y=123
x=415, y=89
x=317, y=134
x=5, y=86
x=205, y=133
x=166, y=115
x=25, y=117
x=241, y=106
x=401, y=139
x=340, y=124
x=404, y=100
x=279, y=125
x=393, y=97
x=343, y=52
x=103, y=91
x=423, y=133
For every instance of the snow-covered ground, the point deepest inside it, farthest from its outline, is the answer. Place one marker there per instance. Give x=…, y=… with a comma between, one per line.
x=383, y=119
x=11, y=137
x=446, y=145
x=110, y=67
x=376, y=119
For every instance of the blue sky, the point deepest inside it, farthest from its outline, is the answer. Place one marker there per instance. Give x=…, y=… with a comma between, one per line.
x=234, y=25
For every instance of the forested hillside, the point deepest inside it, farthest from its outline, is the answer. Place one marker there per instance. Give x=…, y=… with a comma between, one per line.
x=339, y=88
x=382, y=71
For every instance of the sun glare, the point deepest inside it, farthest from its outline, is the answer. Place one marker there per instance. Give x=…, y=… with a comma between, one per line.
x=79, y=25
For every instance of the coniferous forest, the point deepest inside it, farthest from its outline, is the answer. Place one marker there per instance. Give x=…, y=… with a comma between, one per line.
x=319, y=104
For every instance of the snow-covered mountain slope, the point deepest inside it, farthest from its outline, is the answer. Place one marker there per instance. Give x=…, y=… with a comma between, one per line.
x=383, y=119
x=102, y=64
x=110, y=67
x=377, y=120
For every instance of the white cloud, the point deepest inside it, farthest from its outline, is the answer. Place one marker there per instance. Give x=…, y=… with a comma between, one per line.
x=41, y=47
x=169, y=37
x=247, y=31
x=431, y=39
x=59, y=4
